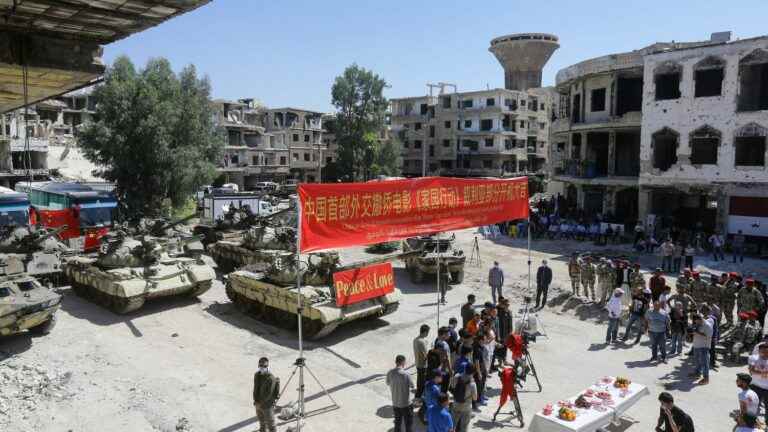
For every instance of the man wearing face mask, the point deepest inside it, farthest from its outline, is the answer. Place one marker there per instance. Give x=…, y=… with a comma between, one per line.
x=266, y=389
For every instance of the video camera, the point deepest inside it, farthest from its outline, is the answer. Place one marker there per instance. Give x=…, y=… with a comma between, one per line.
x=528, y=337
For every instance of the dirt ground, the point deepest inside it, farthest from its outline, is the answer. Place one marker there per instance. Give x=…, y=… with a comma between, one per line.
x=184, y=365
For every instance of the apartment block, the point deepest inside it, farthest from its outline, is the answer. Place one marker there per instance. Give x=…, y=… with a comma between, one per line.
x=496, y=132
x=673, y=133
x=302, y=132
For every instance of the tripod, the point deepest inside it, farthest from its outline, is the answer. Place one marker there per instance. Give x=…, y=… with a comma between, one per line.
x=474, y=257
x=526, y=363
x=525, y=320
x=299, y=366
x=517, y=413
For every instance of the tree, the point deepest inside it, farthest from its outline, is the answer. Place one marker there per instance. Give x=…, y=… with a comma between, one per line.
x=154, y=137
x=361, y=107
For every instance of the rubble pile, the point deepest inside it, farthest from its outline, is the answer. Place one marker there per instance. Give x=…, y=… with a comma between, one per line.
x=25, y=386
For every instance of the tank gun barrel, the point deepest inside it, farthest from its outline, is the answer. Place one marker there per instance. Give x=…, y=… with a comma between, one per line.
x=158, y=230
x=378, y=260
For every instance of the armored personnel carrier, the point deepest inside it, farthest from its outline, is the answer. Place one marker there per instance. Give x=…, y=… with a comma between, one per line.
x=129, y=270
x=25, y=304
x=425, y=263
x=272, y=295
x=39, y=250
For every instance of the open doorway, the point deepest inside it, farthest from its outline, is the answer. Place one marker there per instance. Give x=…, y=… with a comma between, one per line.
x=597, y=154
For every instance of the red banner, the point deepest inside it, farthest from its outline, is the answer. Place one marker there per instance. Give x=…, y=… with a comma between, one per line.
x=356, y=285
x=338, y=215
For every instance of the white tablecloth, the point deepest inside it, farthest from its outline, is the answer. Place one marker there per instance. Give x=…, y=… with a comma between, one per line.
x=589, y=420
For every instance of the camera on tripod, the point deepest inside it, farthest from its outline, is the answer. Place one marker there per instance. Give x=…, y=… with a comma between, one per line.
x=528, y=337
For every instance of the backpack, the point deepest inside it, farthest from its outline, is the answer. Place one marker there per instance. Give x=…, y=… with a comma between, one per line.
x=459, y=391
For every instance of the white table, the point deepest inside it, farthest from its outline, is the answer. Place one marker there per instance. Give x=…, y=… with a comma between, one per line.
x=588, y=419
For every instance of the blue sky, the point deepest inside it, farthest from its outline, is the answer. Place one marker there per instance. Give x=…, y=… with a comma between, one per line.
x=288, y=53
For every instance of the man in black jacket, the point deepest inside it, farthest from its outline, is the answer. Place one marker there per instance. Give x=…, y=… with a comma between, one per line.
x=669, y=414
x=266, y=389
x=543, y=279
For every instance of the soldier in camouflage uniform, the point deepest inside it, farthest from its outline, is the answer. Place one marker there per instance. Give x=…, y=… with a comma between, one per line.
x=689, y=305
x=728, y=298
x=607, y=280
x=714, y=291
x=636, y=279
x=588, y=277
x=697, y=288
x=750, y=298
x=574, y=271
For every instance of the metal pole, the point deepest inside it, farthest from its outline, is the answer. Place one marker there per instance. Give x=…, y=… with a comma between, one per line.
x=529, y=250
x=300, y=360
x=438, y=280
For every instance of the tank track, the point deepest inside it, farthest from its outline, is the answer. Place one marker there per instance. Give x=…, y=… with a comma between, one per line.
x=118, y=305
x=311, y=329
x=201, y=288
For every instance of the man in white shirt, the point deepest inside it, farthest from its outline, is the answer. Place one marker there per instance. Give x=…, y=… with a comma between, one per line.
x=716, y=241
x=749, y=402
x=758, y=369
x=614, y=307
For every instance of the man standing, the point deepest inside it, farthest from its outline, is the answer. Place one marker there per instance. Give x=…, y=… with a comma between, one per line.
x=636, y=279
x=702, y=341
x=672, y=418
x=667, y=251
x=716, y=241
x=266, y=390
x=758, y=369
x=467, y=310
x=658, y=325
x=677, y=258
x=495, y=280
x=440, y=419
x=738, y=246
x=750, y=298
x=587, y=271
x=697, y=288
x=464, y=392
x=614, y=308
x=420, y=349
x=637, y=309
x=728, y=297
x=574, y=271
x=400, y=385
x=607, y=281
x=656, y=284
x=543, y=279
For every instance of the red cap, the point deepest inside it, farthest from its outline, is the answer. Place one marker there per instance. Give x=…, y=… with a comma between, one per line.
x=750, y=281
x=695, y=273
x=733, y=274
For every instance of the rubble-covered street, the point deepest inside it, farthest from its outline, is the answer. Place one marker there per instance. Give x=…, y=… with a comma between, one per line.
x=183, y=365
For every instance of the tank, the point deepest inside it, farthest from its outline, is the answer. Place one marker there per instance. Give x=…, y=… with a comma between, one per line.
x=25, y=303
x=39, y=250
x=256, y=247
x=130, y=270
x=421, y=265
x=271, y=295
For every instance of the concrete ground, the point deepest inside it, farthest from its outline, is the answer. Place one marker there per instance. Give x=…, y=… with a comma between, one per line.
x=183, y=365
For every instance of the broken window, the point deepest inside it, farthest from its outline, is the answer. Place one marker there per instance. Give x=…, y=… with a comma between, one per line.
x=295, y=157
x=508, y=145
x=467, y=123
x=511, y=104
x=471, y=144
x=508, y=124
x=431, y=150
x=708, y=75
x=629, y=95
x=486, y=124
x=753, y=77
x=664, y=143
x=446, y=102
x=667, y=79
x=750, y=145
x=576, y=109
x=576, y=146
x=306, y=138
x=431, y=131
x=489, y=142
x=597, y=100
x=417, y=144
x=487, y=163
x=446, y=164
x=283, y=160
x=627, y=157
x=490, y=102
x=417, y=126
x=704, y=143
x=448, y=125
x=295, y=137
x=446, y=143
x=306, y=157
x=466, y=103
x=522, y=124
x=533, y=104
x=424, y=108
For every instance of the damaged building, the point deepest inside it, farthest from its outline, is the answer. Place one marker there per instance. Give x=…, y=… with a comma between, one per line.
x=493, y=132
x=674, y=133
x=302, y=132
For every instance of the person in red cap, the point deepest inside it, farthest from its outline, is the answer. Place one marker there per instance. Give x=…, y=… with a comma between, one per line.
x=750, y=298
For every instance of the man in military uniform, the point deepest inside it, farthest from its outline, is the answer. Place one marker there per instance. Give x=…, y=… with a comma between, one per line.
x=636, y=279
x=607, y=280
x=689, y=305
x=697, y=289
x=588, y=277
x=574, y=271
x=714, y=291
x=266, y=391
x=750, y=298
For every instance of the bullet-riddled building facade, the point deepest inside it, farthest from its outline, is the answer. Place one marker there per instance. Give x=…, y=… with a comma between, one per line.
x=671, y=134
